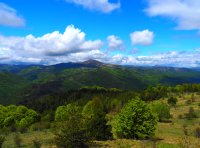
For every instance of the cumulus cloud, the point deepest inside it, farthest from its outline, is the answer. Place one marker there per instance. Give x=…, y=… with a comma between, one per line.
x=144, y=37
x=48, y=46
x=9, y=17
x=72, y=46
x=115, y=43
x=100, y=5
x=184, y=12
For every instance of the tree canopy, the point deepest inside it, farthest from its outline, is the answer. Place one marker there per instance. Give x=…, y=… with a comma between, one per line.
x=135, y=120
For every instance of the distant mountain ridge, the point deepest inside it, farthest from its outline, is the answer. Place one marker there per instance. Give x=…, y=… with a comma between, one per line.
x=35, y=81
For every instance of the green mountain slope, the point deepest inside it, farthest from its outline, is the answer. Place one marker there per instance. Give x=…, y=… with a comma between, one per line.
x=12, y=88
x=45, y=80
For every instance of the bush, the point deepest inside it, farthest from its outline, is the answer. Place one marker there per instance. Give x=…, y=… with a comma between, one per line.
x=162, y=110
x=2, y=139
x=95, y=121
x=188, y=102
x=185, y=130
x=135, y=121
x=197, y=132
x=180, y=116
x=36, y=143
x=172, y=101
x=72, y=135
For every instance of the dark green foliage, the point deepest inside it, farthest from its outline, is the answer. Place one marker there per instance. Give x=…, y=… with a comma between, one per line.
x=154, y=93
x=172, y=101
x=12, y=88
x=72, y=135
x=95, y=121
x=2, y=139
x=36, y=143
x=162, y=110
x=51, y=102
x=197, y=132
x=135, y=121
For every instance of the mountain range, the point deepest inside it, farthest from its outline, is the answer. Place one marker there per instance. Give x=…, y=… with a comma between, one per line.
x=18, y=82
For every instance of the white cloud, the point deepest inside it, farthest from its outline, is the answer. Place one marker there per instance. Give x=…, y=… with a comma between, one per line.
x=184, y=12
x=173, y=58
x=144, y=37
x=9, y=17
x=49, y=46
x=115, y=43
x=56, y=47
x=100, y=5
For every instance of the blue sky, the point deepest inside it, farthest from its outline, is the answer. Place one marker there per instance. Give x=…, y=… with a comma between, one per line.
x=128, y=32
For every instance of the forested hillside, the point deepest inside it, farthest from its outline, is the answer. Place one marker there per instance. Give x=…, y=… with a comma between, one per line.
x=36, y=81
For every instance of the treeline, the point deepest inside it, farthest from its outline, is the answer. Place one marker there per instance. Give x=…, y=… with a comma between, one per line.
x=111, y=98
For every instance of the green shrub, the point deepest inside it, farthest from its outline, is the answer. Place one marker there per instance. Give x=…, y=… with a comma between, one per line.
x=197, y=132
x=135, y=121
x=172, y=101
x=72, y=135
x=95, y=120
x=2, y=139
x=37, y=143
x=162, y=110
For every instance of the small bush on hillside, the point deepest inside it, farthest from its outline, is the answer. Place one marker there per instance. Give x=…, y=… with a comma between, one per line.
x=37, y=143
x=2, y=139
x=192, y=98
x=135, y=121
x=185, y=130
x=188, y=102
x=72, y=135
x=172, y=101
x=95, y=120
x=197, y=132
x=180, y=116
x=162, y=110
